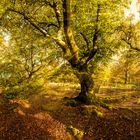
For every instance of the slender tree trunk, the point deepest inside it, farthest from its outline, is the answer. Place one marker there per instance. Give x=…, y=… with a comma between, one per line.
x=126, y=77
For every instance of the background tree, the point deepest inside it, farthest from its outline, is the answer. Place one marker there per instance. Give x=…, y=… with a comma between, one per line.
x=125, y=69
x=23, y=62
x=130, y=34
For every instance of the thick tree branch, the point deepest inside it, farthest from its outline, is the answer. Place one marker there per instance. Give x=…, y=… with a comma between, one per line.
x=128, y=34
x=63, y=45
x=47, y=24
x=93, y=51
x=91, y=54
x=30, y=21
x=59, y=41
x=86, y=40
x=60, y=20
x=130, y=45
x=68, y=30
x=96, y=30
x=134, y=48
x=57, y=13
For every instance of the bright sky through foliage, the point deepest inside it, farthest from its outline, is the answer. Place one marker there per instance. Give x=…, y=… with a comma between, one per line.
x=134, y=11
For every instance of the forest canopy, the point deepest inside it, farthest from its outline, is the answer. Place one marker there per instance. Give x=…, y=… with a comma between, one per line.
x=67, y=40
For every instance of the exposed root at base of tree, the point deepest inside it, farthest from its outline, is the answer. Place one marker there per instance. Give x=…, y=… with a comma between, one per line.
x=96, y=101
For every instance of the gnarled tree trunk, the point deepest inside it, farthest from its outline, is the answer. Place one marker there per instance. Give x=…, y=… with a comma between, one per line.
x=86, y=81
x=86, y=94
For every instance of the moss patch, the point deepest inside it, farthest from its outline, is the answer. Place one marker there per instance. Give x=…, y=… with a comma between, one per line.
x=91, y=110
x=76, y=133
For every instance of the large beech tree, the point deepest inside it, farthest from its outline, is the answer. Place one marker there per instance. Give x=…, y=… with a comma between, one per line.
x=84, y=30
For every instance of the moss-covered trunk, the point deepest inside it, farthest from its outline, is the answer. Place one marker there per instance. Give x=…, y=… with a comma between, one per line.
x=86, y=94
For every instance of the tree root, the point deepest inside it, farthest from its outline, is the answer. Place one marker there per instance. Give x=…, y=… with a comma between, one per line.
x=94, y=101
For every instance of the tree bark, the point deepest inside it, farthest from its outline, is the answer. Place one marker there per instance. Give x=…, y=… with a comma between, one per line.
x=86, y=94
x=86, y=81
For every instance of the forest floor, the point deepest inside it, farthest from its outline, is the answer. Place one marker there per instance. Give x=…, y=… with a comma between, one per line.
x=46, y=117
